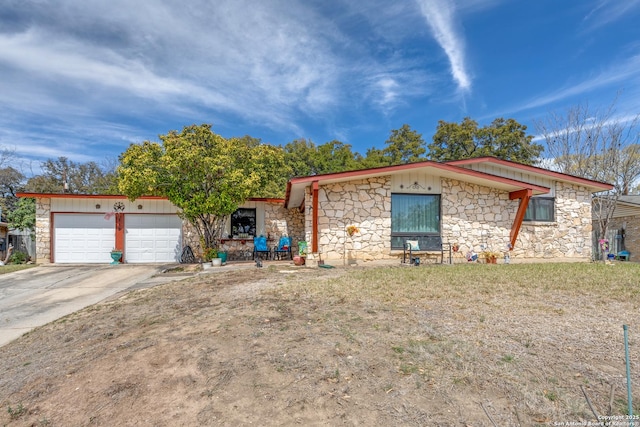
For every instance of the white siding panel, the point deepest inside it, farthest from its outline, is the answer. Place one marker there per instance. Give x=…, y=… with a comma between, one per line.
x=515, y=174
x=106, y=205
x=83, y=238
x=416, y=182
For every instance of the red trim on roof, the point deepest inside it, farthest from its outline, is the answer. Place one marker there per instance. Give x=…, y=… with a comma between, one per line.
x=409, y=166
x=534, y=169
x=287, y=193
x=85, y=196
x=120, y=196
x=360, y=172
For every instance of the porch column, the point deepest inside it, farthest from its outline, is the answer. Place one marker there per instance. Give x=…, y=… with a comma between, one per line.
x=120, y=233
x=524, y=196
x=314, y=216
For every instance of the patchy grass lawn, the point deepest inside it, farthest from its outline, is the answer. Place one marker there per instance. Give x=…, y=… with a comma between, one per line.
x=14, y=267
x=477, y=345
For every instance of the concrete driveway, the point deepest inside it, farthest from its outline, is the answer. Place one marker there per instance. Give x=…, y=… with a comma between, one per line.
x=36, y=296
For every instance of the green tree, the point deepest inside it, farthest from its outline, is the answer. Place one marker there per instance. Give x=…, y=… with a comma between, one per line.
x=301, y=156
x=273, y=171
x=374, y=158
x=305, y=158
x=504, y=139
x=205, y=175
x=335, y=156
x=62, y=175
x=23, y=216
x=11, y=181
x=404, y=146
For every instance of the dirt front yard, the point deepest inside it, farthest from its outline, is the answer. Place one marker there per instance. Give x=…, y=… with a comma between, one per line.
x=467, y=345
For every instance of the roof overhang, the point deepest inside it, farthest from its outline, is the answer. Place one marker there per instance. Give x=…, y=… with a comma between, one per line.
x=593, y=186
x=296, y=186
x=83, y=196
x=120, y=196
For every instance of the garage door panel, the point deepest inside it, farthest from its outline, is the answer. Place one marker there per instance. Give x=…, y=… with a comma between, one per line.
x=83, y=238
x=152, y=238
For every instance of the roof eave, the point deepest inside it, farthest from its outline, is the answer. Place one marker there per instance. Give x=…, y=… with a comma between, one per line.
x=597, y=186
x=387, y=170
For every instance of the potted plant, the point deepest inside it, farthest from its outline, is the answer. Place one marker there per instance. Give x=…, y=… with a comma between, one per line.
x=490, y=257
x=116, y=256
x=352, y=229
x=211, y=254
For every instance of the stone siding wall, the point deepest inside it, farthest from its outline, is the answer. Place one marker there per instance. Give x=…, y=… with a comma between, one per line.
x=569, y=236
x=477, y=218
x=631, y=225
x=43, y=230
x=365, y=203
x=278, y=221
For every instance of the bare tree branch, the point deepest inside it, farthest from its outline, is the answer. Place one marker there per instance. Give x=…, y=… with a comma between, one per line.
x=598, y=145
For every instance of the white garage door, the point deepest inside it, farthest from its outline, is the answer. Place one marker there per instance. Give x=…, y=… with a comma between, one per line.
x=83, y=238
x=152, y=238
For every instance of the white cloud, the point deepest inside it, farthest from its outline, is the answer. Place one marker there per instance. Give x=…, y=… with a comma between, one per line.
x=440, y=15
x=606, y=12
x=623, y=73
x=69, y=70
x=236, y=57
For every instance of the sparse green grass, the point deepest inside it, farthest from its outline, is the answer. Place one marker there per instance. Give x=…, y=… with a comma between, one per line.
x=16, y=412
x=14, y=267
x=507, y=358
x=474, y=295
x=457, y=335
x=410, y=286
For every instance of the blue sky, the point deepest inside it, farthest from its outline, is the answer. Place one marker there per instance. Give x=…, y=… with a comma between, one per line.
x=86, y=78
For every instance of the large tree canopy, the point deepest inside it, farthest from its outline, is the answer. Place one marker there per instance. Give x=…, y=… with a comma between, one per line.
x=65, y=176
x=304, y=158
x=505, y=139
x=403, y=146
x=205, y=175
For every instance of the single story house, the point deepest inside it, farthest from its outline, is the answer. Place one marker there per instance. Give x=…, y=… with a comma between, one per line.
x=478, y=204
x=77, y=228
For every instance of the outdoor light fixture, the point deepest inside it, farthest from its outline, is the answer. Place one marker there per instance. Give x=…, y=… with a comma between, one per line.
x=139, y=206
x=98, y=206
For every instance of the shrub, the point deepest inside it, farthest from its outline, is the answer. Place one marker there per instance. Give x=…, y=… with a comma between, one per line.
x=18, y=257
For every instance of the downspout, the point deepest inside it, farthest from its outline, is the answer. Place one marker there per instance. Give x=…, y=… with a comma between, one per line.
x=314, y=216
x=524, y=196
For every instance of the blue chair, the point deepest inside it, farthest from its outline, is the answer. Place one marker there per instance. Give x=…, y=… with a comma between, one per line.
x=260, y=248
x=283, y=250
x=623, y=256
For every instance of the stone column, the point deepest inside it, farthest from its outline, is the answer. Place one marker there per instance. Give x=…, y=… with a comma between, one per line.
x=43, y=230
